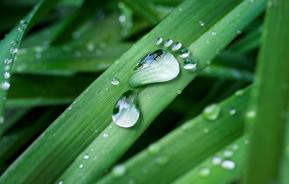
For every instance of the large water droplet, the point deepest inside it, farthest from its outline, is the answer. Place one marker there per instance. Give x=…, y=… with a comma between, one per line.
x=119, y=170
x=126, y=112
x=114, y=81
x=212, y=112
x=158, y=66
x=5, y=85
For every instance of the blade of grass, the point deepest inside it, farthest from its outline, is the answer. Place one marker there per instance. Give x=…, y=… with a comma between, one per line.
x=10, y=44
x=183, y=149
x=270, y=100
x=75, y=128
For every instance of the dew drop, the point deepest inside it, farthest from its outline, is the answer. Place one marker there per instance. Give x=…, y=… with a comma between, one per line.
x=159, y=40
x=228, y=165
x=204, y=172
x=213, y=33
x=60, y=182
x=8, y=61
x=81, y=166
x=216, y=160
x=228, y=153
x=86, y=157
x=126, y=112
x=122, y=18
x=184, y=53
x=251, y=114
x=105, y=135
x=6, y=75
x=168, y=43
x=235, y=147
x=161, y=160
x=212, y=112
x=154, y=149
x=232, y=111
x=114, y=81
x=239, y=92
x=201, y=23
x=5, y=85
x=158, y=66
x=190, y=64
x=13, y=50
x=176, y=46
x=1, y=120
x=119, y=170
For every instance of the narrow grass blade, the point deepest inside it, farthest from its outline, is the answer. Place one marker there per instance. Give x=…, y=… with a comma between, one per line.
x=10, y=44
x=87, y=116
x=270, y=101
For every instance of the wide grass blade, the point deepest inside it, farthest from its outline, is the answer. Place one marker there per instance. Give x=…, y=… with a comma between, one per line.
x=270, y=100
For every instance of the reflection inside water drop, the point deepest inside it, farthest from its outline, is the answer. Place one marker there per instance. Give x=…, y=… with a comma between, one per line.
x=126, y=112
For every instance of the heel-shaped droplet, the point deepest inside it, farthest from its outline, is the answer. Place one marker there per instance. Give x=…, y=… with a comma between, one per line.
x=158, y=66
x=126, y=112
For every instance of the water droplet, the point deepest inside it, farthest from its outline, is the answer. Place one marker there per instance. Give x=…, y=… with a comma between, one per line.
x=122, y=18
x=228, y=153
x=239, y=92
x=105, y=135
x=119, y=170
x=206, y=130
x=154, y=149
x=1, y=120
x=184, y=53
x=216, y=160
x=235, y=147
x=212, y=112
x=5, y=85
x=13, y=50
x=204, y=172
x=251, y=114
x=201, y=23
x=86, y=157
x=228, y=165
x=158, y=66
x=60, y=182
x=161, y=160
x=190, y=64
x=232, y=111
x=114, y=81
x=239, y=32
x=6, y=75
x=168, y=43
x=126, y=112
x=8, y=61
x=213, y=33
x=7, y=68
x=81, y=166
x=90, y=46
x=176, y=46
x=159, y=40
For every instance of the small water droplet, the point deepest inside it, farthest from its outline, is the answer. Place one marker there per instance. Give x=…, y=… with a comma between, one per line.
x=81, y=166
x=213, y=33
x=216, y=160
x=6, y=75
x=232, y=111
x=1, y=120
x=161, y=160
x=122, y=18
x=201, y=23
x=239, y=32
x=212, y=112
x=251, y=114
x=86, y=157
x=7, y=67
x=239, y=92
x=228, y=153
x=158, y=66
x=204, y=172
x=60, y=182
x=119, y=170
x=206, y=130
x=5, y=85
x=8, y=61
x=168, y=43
x=228, y=165
x=159, y=40
x=126, y=112
x=154, y=149
x=105, y=135
x=176, y=46
x=90, y=46
x=190, y=64
x=114, y=81
x=184, y=53
x=13, y=50
x=235, y=147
